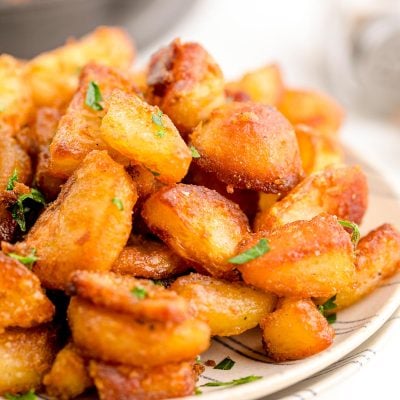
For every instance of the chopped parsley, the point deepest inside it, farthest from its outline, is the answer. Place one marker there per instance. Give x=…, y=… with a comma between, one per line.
x=355, y=235
x=226, y=364
x=195, y=153
x=254, y=252
x=28, y=260
x=197, y=360
x=155, y=173
x=25, y=396
x=139, y=292
x=12, y=179
x=118, y=203
x=327, y=306
x=157, y=120
x=197, y=391
x=93, y=97
x=234, y=382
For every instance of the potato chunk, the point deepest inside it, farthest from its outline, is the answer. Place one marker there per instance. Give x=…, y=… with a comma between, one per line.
x=198, y=224
x=69, y=376
x=127, y=341
x=264, y=85
x=186, y=83
x=340, y=191
x=54, y=75
x=313, y=109
x=249, y=146
x=306, y=259
x=295, y=330
x=142, y=133
x=25, y=356
x=89, y=223
x=23, y=302
x=78, y=132
x=230, y=308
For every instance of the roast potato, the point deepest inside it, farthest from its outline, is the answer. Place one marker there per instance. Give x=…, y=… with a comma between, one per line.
x=146, y=182
x=249, y=146
x=199, y=224
x=53, y=76
x=306, y=259
x=230, y=308
x=295, y=330
x=89, y=223
x=143, y=134
x=186, y=83
x=337, y=190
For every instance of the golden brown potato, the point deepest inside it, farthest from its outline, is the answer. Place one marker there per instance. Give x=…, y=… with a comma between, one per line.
x=186, y=83
x=267, y=200
x=337, y=190
x=149, y=259
x=116, y=292
x=377, y=258
x=230, y=308
x=306, y=259
x=89, y=223
x=198, y=224
x=16, y=103
x=23, y=302
x=295, y=330
x=264, y=85
x=69, y=375
x=313, y=109
x=128, y=341
x=133, y=383
x=250, y=146
x=78, y=132
x=54, y=75
x=143, y=134
x=25, y=356
x=144, y=179
x=317, y=151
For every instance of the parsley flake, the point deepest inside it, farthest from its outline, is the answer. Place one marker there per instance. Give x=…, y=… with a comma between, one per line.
x=118, y=203
x=234, y=382
x=28, y=260
x=195, y=153
x=93, y=97
x=157, y=120
x=25, y=396
x=197, y=391
x=155, y=173
x=139, y=292
x=327, y=306
x=12, y=179
x=226, y=364
x=355, y=235
x=254, y=252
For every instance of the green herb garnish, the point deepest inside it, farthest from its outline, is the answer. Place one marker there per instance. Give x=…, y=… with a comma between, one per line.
x=195, y=153
x=28, y=260
x=157, y=119
x=331, y=318
x=12, y=179
x=25, y=396
x=327, y=306
x=226, y=364
x=355, y=234
x=155, y=173
x=197, y=391
x=139, y=292
x=254, y=252
x=93, y=97
x=197, y=360
x=118, y=203
x=235, y=382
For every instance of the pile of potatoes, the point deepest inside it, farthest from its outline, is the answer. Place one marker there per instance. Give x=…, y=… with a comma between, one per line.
x=143, y=212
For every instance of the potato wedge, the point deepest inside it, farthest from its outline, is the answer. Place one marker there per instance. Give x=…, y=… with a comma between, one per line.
x=89, y=223
x=306, y=259
x=230, y=308
x=155, y=383
x=199, y=224
x=68, y=376
x=295, y=330
x=264, y=85
x=127, y=341
x=313, y=109
x=249, y=146
x=54, y=75
x=186, y=83
x=337, y=190
x=143, y=134
x=25, y=356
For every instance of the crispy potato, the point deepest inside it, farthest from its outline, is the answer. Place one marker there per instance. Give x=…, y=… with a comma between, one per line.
x=317, y=151
x=69, y=375
x=337, y=190
x=16, y=103
x=250, y=146
x=230, y=308
x=115, y=293
x=264, y=85
x=25, y=356
x=133, y=383
x=23, y=302
x=144, y=179
x=295, y=330
x=306, y=259
x=54, y=75
x=149, y=259
x=313, y=109
x=78, y=131
x=267, y=200
x=127, y=341
x=199, y=224
x=89, y=223
x=377, y=258
x=139, y=79
x=142, y=133
x=186, y=83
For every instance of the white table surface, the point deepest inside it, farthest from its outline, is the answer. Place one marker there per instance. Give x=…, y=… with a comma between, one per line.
x=243, y=34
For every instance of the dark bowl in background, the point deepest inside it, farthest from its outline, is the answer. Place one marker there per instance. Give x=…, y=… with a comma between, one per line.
x=28, y=27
